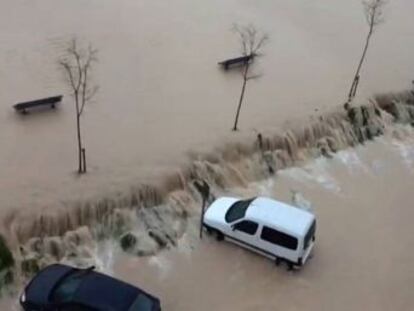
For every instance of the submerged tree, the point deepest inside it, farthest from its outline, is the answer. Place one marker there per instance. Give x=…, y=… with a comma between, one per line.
x=374, y=14
x=251, y=41
x=77, y=64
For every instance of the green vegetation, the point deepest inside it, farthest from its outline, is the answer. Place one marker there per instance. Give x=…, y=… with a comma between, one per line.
x=6, y=263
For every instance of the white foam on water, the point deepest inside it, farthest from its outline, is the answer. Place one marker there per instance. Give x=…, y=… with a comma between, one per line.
x=265, y=188
x=378, y=166
x=185, y=244
x=301, y=202
x=314, y=172
x=352, y=161
x=406, y=152
x=161, y=263
x=105, y=255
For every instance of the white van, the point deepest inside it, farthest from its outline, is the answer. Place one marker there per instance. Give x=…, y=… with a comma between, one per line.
x=275, y=229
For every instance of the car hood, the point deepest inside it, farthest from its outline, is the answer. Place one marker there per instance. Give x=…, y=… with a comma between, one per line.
x=218, y=209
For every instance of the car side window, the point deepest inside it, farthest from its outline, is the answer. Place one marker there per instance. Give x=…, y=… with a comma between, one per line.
x=141, y=303
x=279, y=238
x=67, y=287
x=246, y=226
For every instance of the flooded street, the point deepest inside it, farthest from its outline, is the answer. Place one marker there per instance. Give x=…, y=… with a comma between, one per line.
x=163, y=101
x=362, y=260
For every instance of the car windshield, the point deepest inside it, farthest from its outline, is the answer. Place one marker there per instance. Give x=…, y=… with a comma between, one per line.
x=142, y=303
x=67, y=288
x=238, y=210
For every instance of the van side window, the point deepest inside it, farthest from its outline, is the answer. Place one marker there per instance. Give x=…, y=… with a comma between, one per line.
x=279, y=238
x=246, y=226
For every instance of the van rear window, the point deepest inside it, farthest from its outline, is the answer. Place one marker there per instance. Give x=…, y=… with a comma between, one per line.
x=309, y=236
x=279, y=238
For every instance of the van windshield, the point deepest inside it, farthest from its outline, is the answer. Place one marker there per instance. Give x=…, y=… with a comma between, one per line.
x=238, y=210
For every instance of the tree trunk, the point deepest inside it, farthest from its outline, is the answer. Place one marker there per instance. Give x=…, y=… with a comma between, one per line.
x=84, y=160
x=79, y=144
x=354, y=86
x=78, y=130
x=241, y=97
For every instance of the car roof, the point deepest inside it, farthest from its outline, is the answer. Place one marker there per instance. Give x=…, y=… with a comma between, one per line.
x=280, y=216
x=105, y=293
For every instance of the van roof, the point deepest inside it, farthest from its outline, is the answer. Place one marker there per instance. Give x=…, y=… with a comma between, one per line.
x=280, y=215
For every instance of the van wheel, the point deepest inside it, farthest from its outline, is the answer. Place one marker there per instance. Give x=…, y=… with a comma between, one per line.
x=219, y=236
x=209, y=230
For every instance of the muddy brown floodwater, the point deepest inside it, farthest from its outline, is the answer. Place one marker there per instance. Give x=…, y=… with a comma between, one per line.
x=162, y=96
x=363, y=258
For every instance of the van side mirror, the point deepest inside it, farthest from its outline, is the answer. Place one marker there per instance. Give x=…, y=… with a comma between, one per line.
x=233, y=227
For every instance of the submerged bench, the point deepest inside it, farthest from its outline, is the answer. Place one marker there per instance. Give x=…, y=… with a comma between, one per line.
x=50, y=101
x=236, y=61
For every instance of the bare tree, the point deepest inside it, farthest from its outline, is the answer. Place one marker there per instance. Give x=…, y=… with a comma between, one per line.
x=77, y=64
x=374, y=14
x=251, y=41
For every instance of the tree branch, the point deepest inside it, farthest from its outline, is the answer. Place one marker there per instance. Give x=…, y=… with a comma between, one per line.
x=251, y=40
x=79, y=68
x=256, y=76
x=91, y=93
x=68, y=69
x=242, y=38
x=87, y=94
x=259, y=45
x=374, y=12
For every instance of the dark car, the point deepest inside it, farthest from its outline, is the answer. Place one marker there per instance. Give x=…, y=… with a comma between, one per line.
x=64, y=288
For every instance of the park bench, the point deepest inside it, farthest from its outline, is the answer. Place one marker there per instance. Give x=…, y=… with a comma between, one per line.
x=50, y=101
x=236, y=61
